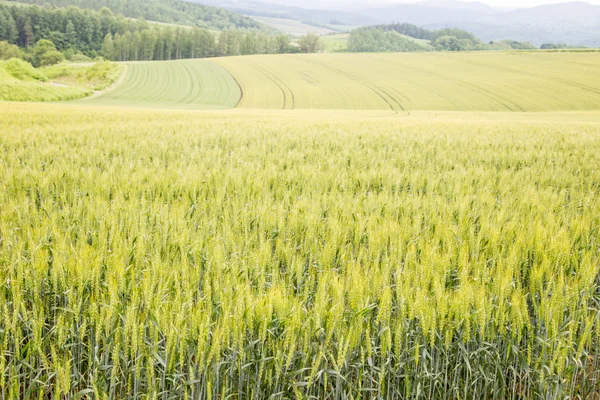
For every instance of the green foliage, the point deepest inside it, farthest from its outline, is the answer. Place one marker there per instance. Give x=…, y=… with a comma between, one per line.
x=51, y=58
x=159, y=254
x=378, y=40
x=8, y=51
x=452, y=43
x=511, y=45
x=556, y=46
x=45, y=53
x=94, y=33
x=22, y=70
x=168, y=11
x=39, y=92
x=381, y=38
x=424, y=34
x=20, y=81
x=393, y=37
x=98, y=76
x=310, y=43
x=78, y=57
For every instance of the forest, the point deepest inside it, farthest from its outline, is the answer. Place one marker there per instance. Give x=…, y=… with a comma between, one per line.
x=398, y=38
x=114, y=37
x=167, y=11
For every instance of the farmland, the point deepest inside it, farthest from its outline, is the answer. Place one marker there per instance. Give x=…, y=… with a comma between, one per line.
x=214, y=253
x=398, y=83
x=187, y=84
x=331, y=226
x=422, y=81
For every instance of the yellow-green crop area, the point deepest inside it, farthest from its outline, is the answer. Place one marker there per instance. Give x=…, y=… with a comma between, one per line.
x=162, y=254
x=184, y=84
x=480, y=81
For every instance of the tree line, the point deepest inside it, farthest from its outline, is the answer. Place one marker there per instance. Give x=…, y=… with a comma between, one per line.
x=174, y=44
x=397, y=38
x=114, y=37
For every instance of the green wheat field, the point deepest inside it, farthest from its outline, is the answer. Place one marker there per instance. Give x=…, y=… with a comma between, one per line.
x=420, y=226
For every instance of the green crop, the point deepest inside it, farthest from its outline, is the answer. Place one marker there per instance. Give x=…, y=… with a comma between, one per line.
x=175, y=254
x=188, y=84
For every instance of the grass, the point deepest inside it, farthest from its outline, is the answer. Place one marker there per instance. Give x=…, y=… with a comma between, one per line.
x=481, y=81
x=307, y=254
x=191, y=84
x=335, y=42
x=478, y=81
x=96, y=76
x=21, y=82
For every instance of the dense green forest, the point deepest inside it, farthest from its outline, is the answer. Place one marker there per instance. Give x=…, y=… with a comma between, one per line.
x=168, y=11
x=396, y=37
x=101, y=33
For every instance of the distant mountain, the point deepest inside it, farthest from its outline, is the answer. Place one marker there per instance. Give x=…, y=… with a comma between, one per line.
x=458, y=5
x=423, y=14
x=575, y=23
x=580, y=13
x=270, y=10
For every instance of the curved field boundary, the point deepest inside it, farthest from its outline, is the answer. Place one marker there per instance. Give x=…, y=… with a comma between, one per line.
x=478, y=81
x=184, y=84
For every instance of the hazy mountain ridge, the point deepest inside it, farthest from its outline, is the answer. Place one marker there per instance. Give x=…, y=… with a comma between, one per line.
x=574, y=23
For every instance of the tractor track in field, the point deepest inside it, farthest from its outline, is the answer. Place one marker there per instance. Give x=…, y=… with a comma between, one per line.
x=467, y=85
x=239, y=85
x=282, y=86
x=374, y=88
x=545, y=78
x=580, y=86
x=565, y=81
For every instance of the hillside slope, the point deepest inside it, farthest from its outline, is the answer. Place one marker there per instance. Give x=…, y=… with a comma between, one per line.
x=420, y=81
x=575, y=23
x=183, y=84
x=167, y=11
x=485, y=81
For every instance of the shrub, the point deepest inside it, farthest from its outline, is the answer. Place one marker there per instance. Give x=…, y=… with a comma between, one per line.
x=23, y=71
x=8, y=51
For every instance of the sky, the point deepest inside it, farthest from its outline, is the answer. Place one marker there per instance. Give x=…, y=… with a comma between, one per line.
x=501, y=4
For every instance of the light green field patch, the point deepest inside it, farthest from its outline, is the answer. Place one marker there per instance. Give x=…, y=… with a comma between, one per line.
x=483, y=81
x=183, y=84
x=336, y=42
x=292, y=27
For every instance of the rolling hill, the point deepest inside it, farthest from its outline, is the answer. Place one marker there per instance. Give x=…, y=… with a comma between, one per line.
x=494, y=81
x=183, y=84
x=574, y=23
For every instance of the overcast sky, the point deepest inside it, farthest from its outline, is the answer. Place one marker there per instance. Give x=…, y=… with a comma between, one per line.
x=354, y=3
